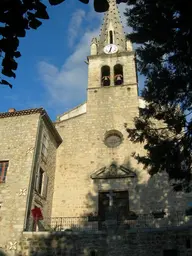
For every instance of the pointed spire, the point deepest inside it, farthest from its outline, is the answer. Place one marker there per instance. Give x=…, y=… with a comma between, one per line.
x=112, y=29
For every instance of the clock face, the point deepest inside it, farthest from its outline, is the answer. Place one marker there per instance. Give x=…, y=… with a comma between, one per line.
x=110, y=48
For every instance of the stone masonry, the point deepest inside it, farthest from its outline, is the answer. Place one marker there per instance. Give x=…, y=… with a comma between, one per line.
x=20, y=134
x=79, y=167
x=18, y=141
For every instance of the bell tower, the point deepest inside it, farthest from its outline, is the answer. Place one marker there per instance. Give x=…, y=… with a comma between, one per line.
x=111, y=69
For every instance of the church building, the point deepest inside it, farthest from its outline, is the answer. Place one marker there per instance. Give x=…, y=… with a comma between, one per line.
x=73, y=187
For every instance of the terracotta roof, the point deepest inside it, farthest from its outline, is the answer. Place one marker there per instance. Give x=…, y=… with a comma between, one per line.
x=22, y=112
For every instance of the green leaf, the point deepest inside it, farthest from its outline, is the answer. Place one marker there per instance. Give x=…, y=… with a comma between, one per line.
x=101, y=6
x=21, y=33
x=55, y=2
x=29, y=4
x=8, y=73
x=9, y=63
x=84, y=1
x=17, y=54
x=34, y=23
x=31, y=15
x=9, y=44
x=6, y=83
x=42, y=14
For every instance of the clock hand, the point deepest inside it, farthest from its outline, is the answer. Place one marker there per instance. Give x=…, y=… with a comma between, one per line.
x=110, y=49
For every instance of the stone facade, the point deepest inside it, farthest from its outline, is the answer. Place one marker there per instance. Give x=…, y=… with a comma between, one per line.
x=21, y=133
x=18, y=140
x=152, y=243
x=77, y=169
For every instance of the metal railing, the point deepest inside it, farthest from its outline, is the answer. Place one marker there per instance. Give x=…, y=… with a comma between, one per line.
x=62, y=224
x=143, y=221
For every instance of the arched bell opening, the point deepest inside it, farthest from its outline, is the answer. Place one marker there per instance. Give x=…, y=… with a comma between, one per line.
x=105, y=76
x=118, y=74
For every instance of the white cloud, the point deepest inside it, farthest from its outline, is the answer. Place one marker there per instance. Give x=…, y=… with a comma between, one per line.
x=75, y=25
x=66, y=86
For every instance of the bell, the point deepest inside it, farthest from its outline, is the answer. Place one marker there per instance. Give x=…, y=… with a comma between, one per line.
x=101, y=6
x=84, y=1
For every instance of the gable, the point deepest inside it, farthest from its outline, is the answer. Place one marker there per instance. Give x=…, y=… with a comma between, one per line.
x=113, y=172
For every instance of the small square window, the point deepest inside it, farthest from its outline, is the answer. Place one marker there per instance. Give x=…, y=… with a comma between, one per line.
x=3, y=170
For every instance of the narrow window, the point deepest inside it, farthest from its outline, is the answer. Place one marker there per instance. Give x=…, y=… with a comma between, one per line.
x=105, y=76
x=111, y=37
x=45, y=185
x=41, y=183
x=45, y=144
x=3, y=170
x=118, y=74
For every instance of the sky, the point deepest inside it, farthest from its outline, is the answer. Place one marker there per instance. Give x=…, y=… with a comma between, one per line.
x=51, y=71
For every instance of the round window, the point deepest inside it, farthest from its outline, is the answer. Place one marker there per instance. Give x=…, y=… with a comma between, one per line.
x=113, y=139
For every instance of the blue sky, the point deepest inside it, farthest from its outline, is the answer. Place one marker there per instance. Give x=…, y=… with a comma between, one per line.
x=51, y=72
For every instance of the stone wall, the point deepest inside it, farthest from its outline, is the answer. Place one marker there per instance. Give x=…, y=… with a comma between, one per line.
x=151, y=243
x=48, y=165
x=21, y=145
x=17, y=140
x=84, y=152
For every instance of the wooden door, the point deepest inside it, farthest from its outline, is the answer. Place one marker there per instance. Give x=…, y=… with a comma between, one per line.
x=120, y=203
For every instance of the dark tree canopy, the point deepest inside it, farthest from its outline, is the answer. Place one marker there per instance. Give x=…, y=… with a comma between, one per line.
x=18, y=16
x=163, y=32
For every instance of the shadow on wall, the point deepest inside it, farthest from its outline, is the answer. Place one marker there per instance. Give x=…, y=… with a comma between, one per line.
x=135, y=210
x=66, y=243
x=147, y=198
x=144, y=196
x=2, y=253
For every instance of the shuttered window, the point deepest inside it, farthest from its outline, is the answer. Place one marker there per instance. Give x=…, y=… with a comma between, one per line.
x=44, y=187
x=45, y=144
x=3, y=170
x=41, y=183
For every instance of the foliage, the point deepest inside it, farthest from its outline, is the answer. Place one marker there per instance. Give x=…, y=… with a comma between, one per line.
x=163, y=32
x=16, y=17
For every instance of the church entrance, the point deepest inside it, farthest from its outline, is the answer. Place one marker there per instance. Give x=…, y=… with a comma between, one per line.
x=118, y=201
